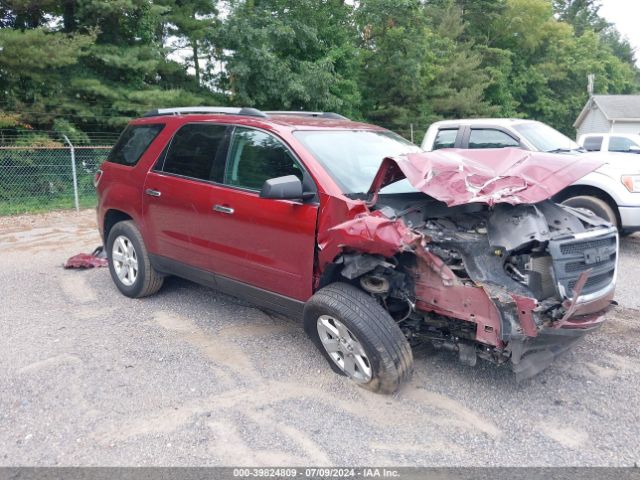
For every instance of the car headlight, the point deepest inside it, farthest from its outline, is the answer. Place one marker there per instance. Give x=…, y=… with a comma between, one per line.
x=632, y=182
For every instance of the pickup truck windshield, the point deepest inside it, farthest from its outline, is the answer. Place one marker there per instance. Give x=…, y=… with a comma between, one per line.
x=546, y=139
x=352, y=157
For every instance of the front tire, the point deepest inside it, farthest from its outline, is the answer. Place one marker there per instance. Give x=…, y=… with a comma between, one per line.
x=358, y=337
x=595, y=205
x=129, y=263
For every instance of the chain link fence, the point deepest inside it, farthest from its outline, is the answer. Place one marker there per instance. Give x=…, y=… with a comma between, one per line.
x=37, y=179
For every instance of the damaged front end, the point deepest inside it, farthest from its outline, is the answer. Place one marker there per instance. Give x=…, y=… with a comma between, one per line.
x=504, y=275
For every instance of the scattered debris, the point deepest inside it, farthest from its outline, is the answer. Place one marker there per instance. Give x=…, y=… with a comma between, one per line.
x=98, y=258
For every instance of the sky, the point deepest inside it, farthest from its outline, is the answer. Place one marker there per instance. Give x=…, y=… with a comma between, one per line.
x=625, y=14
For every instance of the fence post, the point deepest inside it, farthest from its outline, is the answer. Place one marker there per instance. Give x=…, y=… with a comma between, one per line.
x=411, y=125
x=73, y=172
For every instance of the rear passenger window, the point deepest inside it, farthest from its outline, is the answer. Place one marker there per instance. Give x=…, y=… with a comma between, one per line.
x=197, y=151
x=133, y=142
x=257, y=156
x=445, y=139
x=490, y=138
x=593, y=144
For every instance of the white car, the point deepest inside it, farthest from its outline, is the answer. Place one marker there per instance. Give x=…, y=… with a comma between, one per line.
x=610, y=142
x=612, y=192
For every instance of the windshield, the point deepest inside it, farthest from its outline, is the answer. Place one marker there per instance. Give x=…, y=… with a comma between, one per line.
x=353, y=157
x=546, y=139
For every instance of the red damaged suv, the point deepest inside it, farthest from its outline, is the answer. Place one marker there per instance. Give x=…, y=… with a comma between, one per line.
x=374, y=245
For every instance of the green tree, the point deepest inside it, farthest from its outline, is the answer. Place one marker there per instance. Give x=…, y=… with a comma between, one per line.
x=94, y=64
x=195, y=23
x=581, y=14
x=291, y=55
x=584, y=15
x=102, y=65
x=416, y=65
x=459, y=86
x=549, y=63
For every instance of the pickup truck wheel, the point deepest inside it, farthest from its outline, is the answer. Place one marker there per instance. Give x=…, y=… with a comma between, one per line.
x=129, y=263
x=598, y=207
x=358, y=337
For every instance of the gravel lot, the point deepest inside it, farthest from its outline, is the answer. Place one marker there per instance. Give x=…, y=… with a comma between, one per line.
x=193, y=377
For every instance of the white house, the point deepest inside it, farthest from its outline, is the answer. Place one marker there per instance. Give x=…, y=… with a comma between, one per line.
x=610, y=114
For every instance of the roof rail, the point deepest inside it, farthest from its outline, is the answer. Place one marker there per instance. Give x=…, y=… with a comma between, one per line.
x=335, y=116
x=250, y=112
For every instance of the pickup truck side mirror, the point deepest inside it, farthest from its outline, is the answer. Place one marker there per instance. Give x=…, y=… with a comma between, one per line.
x=288, y=187
x=634, y=149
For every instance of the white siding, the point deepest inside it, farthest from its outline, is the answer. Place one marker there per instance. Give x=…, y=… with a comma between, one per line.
x=594, y=122
x=626, y=127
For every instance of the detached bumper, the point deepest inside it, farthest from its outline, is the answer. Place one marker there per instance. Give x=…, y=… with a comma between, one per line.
x=531, y=355
x=589, y=310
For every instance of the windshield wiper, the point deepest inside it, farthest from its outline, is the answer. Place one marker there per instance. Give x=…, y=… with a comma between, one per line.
x=560, y=150
x=566, y=150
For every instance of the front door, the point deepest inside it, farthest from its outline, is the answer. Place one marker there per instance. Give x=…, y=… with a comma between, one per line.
x=265, y=243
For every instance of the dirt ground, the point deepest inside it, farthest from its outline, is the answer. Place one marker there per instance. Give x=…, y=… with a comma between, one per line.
x=194, y=377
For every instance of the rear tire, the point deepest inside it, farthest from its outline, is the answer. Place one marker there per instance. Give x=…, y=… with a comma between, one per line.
x=129, y=263
x=595, y=205
x=358, y=337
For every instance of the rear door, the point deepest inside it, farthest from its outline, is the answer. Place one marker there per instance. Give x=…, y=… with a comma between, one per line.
x=446, y=138
x=264, y=243
x=593, y=143
x=177, y=194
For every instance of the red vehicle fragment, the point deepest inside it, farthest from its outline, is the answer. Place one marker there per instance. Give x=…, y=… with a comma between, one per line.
x=518, y=322
x=84, y=260
x=507, y=175
x=372, y=233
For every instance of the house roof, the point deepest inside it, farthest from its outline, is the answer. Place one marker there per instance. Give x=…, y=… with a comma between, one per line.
x=614, y=107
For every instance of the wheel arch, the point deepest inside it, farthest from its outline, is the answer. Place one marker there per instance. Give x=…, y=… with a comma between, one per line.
x=111, y=217
x=332, y=272
x=588, y=190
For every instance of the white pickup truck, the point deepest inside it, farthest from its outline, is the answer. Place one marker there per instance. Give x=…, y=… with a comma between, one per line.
x=612, y=192
x=610, y=142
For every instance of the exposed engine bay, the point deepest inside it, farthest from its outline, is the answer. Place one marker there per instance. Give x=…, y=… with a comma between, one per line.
x=507, y=283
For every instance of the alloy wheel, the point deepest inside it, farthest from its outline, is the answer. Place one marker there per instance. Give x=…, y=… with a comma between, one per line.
x=125, y=260
x=344, y=348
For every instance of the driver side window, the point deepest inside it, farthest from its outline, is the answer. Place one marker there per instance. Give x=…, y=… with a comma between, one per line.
x=256, y=156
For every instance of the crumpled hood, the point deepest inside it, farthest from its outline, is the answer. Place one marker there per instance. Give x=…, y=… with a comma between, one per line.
x=505, y=175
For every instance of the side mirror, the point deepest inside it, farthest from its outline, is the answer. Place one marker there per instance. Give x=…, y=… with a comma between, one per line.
x=634, y=149
x=288, y=187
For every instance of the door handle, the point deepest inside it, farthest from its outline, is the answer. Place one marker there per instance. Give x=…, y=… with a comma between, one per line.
x=223, y=209
x=152, y=192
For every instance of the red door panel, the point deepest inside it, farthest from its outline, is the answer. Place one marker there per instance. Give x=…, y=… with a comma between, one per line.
x=177, y=221
x=266, y=243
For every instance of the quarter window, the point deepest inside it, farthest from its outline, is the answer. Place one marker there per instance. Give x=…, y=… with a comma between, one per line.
x=133, y=142
x=197, y=151
x=445, y=139
x=257, y=156
x=490, y=138
x=593, y=144
x=621, y=144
